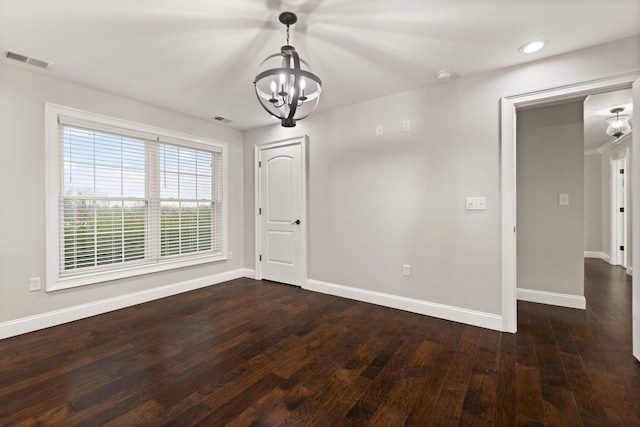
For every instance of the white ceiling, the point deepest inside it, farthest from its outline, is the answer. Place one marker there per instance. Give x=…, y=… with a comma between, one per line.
x=597, y=109
x=199, y=57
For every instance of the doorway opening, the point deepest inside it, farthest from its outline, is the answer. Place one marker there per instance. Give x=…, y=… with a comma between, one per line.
x=509, y=106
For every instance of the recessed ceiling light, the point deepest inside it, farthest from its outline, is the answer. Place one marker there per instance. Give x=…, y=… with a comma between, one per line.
x=532, y=47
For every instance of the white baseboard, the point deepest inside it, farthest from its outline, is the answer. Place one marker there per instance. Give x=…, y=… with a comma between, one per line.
x=599, y=255
x=447, y=312
x=552, y=298
x=58, y=317
x=249, y=273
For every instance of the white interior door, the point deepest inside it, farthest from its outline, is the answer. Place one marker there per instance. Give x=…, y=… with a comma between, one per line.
x=635, y=212
x=281, y=213
x=619, y=246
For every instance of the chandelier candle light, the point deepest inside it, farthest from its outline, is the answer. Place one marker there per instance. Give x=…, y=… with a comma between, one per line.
x=618, y=125
x=287, y=89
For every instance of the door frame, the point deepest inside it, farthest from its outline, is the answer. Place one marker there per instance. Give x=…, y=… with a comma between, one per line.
x=508, y=106
x=303, y=141
x=614, y=204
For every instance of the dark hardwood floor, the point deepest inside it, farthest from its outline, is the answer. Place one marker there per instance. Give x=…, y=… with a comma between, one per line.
x=264, y=354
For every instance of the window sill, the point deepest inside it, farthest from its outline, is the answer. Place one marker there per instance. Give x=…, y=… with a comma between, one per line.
x=75, y=281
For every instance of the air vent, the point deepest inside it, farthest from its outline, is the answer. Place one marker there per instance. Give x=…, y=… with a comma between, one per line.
x=38, y=63
x=221, y=119
x=27, y=60
x=16, y=56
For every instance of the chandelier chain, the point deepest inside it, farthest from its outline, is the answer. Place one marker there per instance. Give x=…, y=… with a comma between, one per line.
x=287, y=34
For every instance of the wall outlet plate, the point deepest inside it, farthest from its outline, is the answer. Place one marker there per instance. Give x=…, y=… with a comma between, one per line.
x=35, y=284
x=379, y=130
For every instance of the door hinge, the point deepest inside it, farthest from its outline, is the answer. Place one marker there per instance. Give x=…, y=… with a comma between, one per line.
x=259, y=164
x=259, y=211
x=622, y=248
x=621, y=209
x=260, y=257
x=621, y=170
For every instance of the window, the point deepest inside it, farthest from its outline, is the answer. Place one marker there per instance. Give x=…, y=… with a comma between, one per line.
x=125, y=199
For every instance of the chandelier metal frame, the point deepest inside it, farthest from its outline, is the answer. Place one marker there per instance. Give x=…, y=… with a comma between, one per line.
x=285, y=97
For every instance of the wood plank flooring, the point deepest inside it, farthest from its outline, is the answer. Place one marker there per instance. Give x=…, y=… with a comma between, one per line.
x=247, y=353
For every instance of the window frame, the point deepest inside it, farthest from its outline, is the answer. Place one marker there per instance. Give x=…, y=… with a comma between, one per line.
x=54, y=280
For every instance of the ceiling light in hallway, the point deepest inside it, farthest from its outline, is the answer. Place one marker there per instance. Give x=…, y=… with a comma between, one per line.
x=618, y=125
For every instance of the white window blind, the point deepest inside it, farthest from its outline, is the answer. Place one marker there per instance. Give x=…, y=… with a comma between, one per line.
x=131, y=201
x=103, y=205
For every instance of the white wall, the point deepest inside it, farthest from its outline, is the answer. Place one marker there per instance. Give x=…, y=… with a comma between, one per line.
x=22, y=246
x=593, y=203
x=550, y=162
x=376, y=203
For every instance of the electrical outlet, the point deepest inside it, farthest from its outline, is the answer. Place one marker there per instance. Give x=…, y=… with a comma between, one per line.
x=406, y=126
x=563, y=200
x=229, y=255
x=35, y=284
x=406, y=270
x=379, y=130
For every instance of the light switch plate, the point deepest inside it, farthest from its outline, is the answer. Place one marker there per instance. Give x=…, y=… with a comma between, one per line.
x=406, y=270
x=379, y=130
x=563, y=199
x=476, y=203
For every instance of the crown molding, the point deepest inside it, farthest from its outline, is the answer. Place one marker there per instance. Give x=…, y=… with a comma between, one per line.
x=609, y=145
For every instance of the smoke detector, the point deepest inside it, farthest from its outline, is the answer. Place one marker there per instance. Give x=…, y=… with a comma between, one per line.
x=445, y=74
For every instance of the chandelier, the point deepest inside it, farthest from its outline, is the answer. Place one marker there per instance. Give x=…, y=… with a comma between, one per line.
x=285, y=86
x=618, y=125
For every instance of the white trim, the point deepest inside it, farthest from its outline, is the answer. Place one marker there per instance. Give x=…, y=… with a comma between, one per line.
x=599, y=255
x=630, y=271
x=249, y=273
x=609, y=145
x=634, y=204
x=614, y=143
x=70, y=314
x=508, y=212
x=115, y=122
x=303, y=140
x=552, y=298
x=447, y=312
x=129, y=271
x=508, y=105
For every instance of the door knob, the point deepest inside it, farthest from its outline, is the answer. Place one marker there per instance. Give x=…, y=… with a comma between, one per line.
x=297, y=222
